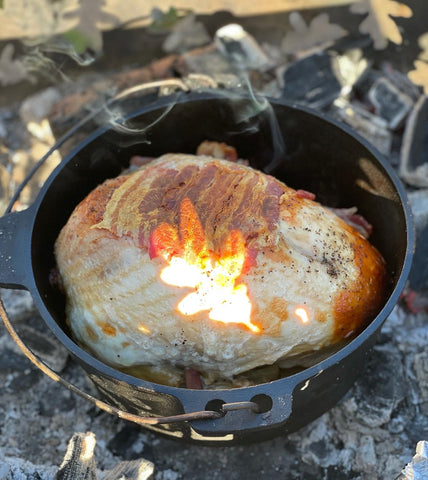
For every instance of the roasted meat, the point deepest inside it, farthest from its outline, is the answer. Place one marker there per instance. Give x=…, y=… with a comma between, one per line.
x=305, y=278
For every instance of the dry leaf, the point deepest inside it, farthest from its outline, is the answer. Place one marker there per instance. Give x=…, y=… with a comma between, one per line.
x=423, y=43
x=419, y=76
x=304, y=37
x=378, y=23
x=47, y=15
x=86, y=34
x=12, y=71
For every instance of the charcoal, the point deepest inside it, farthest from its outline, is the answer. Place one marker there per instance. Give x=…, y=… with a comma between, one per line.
x=366, y=82
x=18, y=304
x=379, y=394
x=25, y=381
x=12, y=362
x=401, y=81
x=141, y=469
x=389, y=102
x=371, y=127
x=79, y=462
x=50, y=350
x=122, y=444
x=241, y=48
x=311, y=81
x=418, y=278
x=414, y=151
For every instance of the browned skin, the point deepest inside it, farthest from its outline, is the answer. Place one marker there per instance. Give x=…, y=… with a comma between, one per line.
x=253, y=208
x=351, y=307
x=91, y=209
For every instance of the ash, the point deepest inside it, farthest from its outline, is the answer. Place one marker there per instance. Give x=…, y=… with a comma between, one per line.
x=374, y=431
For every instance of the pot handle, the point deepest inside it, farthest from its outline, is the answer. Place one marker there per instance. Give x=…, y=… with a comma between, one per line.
x=140, y=420
x=15, y=249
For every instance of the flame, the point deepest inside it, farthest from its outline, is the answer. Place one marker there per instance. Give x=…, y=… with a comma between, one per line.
x=302, y=314
x=192, y=264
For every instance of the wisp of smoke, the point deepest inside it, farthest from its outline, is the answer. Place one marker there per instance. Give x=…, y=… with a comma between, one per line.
x=249, y=116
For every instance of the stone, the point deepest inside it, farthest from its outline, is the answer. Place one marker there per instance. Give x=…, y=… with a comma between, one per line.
x=310, y=81
x=38, y=106
x=389, y=102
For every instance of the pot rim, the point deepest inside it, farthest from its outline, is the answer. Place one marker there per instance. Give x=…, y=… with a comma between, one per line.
x=286, y=382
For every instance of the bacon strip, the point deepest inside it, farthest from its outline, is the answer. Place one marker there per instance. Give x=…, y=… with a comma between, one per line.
x=354, y=219
x=217, y=150
x=193, y=379
x=305, y=194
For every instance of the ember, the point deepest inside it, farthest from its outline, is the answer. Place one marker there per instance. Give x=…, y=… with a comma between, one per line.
x=214, y=277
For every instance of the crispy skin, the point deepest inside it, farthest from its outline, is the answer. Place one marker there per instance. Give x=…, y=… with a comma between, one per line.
x=227, y=196
x=299, y=254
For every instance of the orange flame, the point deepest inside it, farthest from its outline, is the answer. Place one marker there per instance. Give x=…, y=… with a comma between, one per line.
x=302, y=313
x=214, y=277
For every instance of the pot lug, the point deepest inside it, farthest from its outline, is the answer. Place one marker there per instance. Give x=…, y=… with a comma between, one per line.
x=15, y=249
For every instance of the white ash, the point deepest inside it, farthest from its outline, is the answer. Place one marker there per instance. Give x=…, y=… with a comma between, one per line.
x=241, y=47
x=13, y=468
x=418, y=468
x=18, y=303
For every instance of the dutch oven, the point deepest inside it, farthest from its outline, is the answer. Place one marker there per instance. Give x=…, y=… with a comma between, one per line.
x=320, y=156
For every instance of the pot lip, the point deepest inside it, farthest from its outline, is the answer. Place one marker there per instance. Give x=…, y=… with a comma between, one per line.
x=286, y=383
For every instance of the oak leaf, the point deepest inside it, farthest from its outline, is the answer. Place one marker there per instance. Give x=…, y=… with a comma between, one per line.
x=419, y=75
x=12, y=70
x=423, y=44
x=378, y=23
x=317, y=32
x=42, y=16
x=86, y=34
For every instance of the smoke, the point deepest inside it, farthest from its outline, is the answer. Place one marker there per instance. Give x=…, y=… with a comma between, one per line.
x=262, y=108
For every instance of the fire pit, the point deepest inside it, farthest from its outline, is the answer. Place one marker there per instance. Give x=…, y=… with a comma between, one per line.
x=319, y=156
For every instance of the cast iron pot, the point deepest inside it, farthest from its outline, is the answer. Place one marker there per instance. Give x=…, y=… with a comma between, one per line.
x=320, y=156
